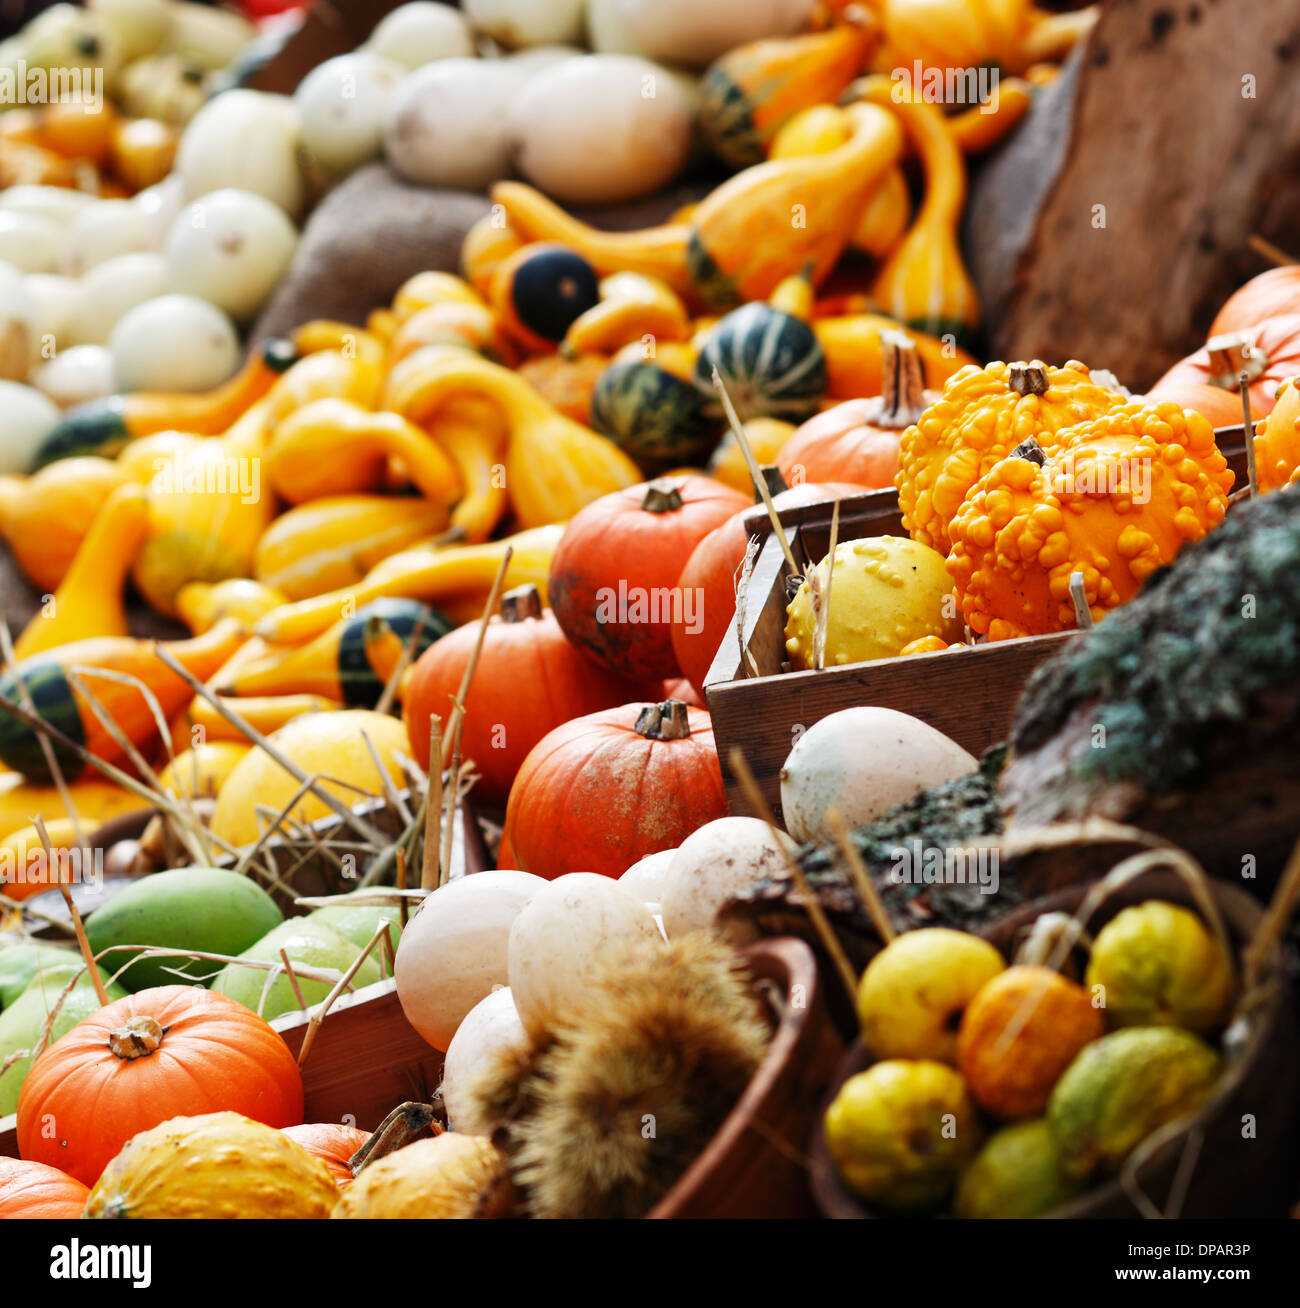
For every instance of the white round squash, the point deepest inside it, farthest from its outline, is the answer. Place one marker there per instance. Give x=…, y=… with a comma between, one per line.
x=695, y=32
x=102, y=232
x=863, y=761
x=447, y=124
x=57, y=304
x=58, y=204
x=607, y=33
x=490, y=1027
x=637, y=140
x=419, y=33
x=20, y=319
x=30, y=243
x=247, y=140
x=230, y=248
x=558, y=937
x=343, y=105
x=28, y=418
x=517, y=24
x=75, y=375
x=160, y=204
x=110, y=290
x=713, y=865
x=453, y=950
x=646, y=879
x=173, y=343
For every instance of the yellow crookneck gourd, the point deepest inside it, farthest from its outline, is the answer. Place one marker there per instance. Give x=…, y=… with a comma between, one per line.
x=208, y=506
x=88, y=601
x=201, y=724
x=44, y=518
x=982, y=126
x=456, y=579
x=487, y=245
x=202, y=604
x=852, y=346
x=426, y=289
x=755, y=229
x=825, y=127
x=331, y=543
x=553, y=465
x=632, y=306
x=335, y=447
x=924, y=282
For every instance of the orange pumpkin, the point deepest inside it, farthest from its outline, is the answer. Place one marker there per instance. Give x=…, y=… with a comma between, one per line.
x=601, y=792
x=1268, y=353
x=37, y=1190
x=613, y=580
x=172, y=1051
x=566, y=384
x=711, y=575
x=1270, y=295
x=529, y=679
x=331, y=1142
x=1220, y=408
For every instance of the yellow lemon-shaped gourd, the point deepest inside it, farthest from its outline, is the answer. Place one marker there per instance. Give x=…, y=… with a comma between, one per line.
x=1158, y=965
x=886, y=593
x=327, y=745
x=217, y=1165
x=199, y=773
x=901, y=1132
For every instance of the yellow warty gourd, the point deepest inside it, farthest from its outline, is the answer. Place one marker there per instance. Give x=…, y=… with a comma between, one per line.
x=450, y=1176
x=88, y=601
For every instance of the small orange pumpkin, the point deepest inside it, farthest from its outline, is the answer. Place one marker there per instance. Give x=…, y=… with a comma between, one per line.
x=171, y=1051
x=331, y=1142
x=600, y=793
x=36, y=1190
x=1270, y=295
x=1268, y=353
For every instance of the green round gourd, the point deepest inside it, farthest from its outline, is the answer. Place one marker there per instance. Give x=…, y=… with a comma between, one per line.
x=655, y=417
x=771, y=363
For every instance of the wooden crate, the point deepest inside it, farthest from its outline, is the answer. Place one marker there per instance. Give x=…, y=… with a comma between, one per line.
x=969, y=696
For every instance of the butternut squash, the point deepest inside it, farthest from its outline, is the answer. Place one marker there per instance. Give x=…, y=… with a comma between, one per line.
x=454, y=578
x=335, y=447
x=924, y=282
x=331, y=543
x=45, y=517
x=553, y=465
x=45, y=676
x=88, y=601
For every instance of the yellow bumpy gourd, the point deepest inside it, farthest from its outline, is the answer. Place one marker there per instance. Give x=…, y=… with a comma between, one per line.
x=886, y=593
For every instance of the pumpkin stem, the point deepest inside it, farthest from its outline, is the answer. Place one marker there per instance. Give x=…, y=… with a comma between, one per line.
x=902, y=394
x=1030, y=449
x=399, y=1128
x=138, y=1037
x=1231, y=355
x=773, y=480
x=666, y=721
x=661, y=497
x=520, y=603
x=1027, y=378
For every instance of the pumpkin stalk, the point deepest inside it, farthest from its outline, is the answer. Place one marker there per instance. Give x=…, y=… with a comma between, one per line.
x=902, y=398
x=1030, y=450
x=1233, y=355
x=665, y=721
x=661, y=497
x=138, y=1037
x=399, y=1128
x=1027, y=378
x=520, y=603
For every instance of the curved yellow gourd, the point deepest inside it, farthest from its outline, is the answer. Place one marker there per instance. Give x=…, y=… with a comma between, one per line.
x=331, y=543
x=201, y=724
x=208, y=507
x=631, y=307
x=455, y=578
x=336, y=447
x=924, y=282
x=202, y=604
x=957, y=34
x=88, y=601
x=426, y=289
x=982, y=126
x=487, y=245
x=44, y=518
x=553, y=465
x=325, y=375
x=852, y=348
x=95, y=801
x=825, y=127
